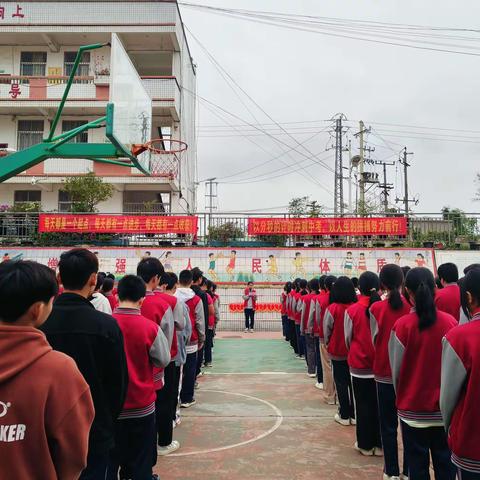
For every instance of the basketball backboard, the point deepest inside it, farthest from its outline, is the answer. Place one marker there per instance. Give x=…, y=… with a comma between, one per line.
x=129, y=116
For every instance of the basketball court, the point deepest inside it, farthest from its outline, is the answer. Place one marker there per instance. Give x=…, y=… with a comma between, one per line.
x=258, y=416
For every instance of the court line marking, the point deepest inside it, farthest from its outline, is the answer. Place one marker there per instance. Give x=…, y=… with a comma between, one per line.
x=278, y=415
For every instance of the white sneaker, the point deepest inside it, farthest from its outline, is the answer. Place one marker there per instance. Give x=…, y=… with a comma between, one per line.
x=312, y=375
x=366, y=453
x=341, y=421
x=378, y=452
x=188, y=404
x=319, y=385
x=353, y=421
x=252, y=330
x=169, y=448
x=393, y=477
x=246, y=330
x=403, y=477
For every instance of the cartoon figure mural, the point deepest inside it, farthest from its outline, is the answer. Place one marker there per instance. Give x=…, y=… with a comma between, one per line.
x=299, y=269
x=397, y=259
x=362, y=263
x=231, y=265
x=348, y=265
x=212, y=263
x=167, y=262
x=420, y=260
x=272, y=270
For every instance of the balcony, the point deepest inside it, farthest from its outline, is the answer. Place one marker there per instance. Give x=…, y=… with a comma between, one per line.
x=19, y=94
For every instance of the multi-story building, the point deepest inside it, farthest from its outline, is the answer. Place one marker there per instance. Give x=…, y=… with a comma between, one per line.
x=38, y=44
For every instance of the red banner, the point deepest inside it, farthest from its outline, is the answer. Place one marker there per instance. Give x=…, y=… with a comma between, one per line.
x=394, y=226
x=261, y=307
x=116, y=224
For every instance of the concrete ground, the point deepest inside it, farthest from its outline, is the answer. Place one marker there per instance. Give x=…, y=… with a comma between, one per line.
x=259, y=416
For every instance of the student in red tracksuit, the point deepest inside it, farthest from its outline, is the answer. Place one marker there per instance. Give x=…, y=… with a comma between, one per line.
x=460, y=388
x=415, y=351
x=383, y=316
x=166, y=397
x=145, y=346
x=341, y=297
x=447, y=299
x=306, y=325
x=361, y=353
x=210, y=333
x=284, y=309
x=314, y=326
x=301, y=292
x=291, y=312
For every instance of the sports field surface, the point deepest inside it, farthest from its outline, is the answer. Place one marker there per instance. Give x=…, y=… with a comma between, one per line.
x=259, y=416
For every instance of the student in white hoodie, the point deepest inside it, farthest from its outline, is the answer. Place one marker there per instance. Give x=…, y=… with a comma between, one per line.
x=99, y=301
x=197, y=337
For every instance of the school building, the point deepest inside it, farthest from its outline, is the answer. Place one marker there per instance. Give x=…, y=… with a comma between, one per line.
x=38, y=45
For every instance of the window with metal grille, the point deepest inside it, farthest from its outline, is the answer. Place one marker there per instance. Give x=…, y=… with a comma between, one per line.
x=27, y=196
x=83, y=67
x=33, y=63
x=68, y=125
x=64, y=202
x=30, y=132
x=146, y=202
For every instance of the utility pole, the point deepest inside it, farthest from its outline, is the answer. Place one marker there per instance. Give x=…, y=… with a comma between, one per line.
x=361, y=165
x=404, y=161
x=339, y=204
x=211, y=196
x=385, y=186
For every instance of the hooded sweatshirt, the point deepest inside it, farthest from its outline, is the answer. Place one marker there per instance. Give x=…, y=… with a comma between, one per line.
x=46, y=409
x=196, y=315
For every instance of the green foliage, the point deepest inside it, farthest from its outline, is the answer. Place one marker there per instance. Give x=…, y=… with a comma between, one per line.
x=462, y=225
x=225, y=232
x=87, y=191
x=275, y=240
x=304, y=207
x=26, y=207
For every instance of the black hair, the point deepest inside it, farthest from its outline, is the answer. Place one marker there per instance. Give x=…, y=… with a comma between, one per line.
x=185, y=277
x=471, y=284
x=111, y=275
x=22, y=284
x=438, y=283
x=321, y=282
x=234, y=251
x=343, y=291
x=250, y=283
x=405, y=270
x=196, y=274
x=369, y=285
x=203, y=282
x=297, y=254
x=76, y=266
x=391, y=279
x=473, y=266
x=315, y=285
x=463, y=297
x=172, y=280
x=101, y=276
x=147, y=252
x=214, y=287
x=329, y=283
x=420, y=255
x=211, y=255
x=448, y=272
x=149, y=268
x=288, y=287
x=168, y=253
x=131, y=288
x=421, y=284
x=302, y=286
x=107, y=285
x=355, y=282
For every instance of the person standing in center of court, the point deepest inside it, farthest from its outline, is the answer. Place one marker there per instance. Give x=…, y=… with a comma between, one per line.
x=249, y=305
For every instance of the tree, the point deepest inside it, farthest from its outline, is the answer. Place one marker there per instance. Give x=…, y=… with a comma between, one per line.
x=87, y=192
x=303, y=207
x=225, y=233
x=461, y=224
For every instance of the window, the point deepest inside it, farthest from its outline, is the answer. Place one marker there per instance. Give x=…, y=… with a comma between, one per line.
x=30, y=132
x=33, y=63
x=146, y=202
x=27, y=196
x=64, y=202
x=68, y=125
x=83, y=67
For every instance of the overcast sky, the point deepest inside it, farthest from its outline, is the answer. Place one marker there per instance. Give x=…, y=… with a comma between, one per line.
x=305, y=77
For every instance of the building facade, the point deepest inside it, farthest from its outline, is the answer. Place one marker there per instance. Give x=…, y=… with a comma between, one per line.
x=38, y=45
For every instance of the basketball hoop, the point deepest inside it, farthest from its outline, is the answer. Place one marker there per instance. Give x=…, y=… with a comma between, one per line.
x=165, y=155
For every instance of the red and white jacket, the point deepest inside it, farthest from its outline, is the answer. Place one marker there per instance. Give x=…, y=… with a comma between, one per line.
x=249, y=298
x=291, y=304
x=297, y=311
x=334, y=330
x=159, y=311
x=321, y=305
x=358, y=339
x=211, y=312
x=283, y=304
x=382, y=320
x=145, y=347
x=447, y=299
x=196, y=315
x=307, y=313
x=460, y=393
x=415, y=358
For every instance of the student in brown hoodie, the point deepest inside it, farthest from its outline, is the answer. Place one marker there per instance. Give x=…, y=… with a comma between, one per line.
x=46, y=409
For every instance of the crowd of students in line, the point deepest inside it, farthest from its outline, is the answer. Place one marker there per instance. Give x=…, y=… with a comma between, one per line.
x=400, y=345
x=93, y=375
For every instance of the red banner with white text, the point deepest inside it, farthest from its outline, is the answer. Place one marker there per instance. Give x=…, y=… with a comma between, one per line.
x=389, y=226
x=117, y=224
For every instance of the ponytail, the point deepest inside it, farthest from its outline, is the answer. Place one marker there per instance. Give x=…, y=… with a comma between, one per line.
x=421, y=283
x=391, y=278
x=374, y=297
x=369, y=285
x=395, y=299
